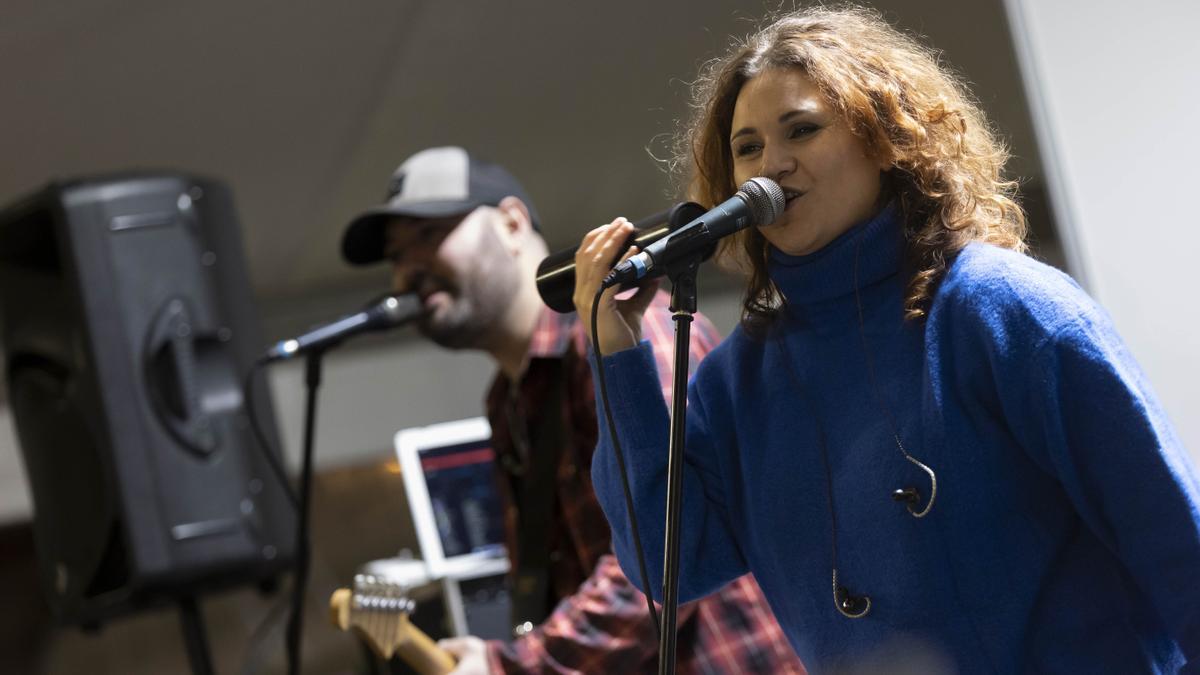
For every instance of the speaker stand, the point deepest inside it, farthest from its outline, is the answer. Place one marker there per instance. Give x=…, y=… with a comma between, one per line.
x=194, y=636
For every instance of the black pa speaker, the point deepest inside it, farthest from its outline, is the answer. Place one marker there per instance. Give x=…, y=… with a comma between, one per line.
x=128, y=328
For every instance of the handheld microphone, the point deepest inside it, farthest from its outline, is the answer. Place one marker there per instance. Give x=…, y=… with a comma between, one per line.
x=758, y=201
x=388, y=312
x=556, y=272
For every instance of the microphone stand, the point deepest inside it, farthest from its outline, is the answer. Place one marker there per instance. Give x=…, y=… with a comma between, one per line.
x=683, y=306
x=312, y=380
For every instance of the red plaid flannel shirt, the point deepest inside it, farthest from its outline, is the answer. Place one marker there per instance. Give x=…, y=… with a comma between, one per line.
x=601, y=624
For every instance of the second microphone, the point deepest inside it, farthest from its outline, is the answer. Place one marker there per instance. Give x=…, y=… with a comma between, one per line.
x=758, y=201
x=556, y=273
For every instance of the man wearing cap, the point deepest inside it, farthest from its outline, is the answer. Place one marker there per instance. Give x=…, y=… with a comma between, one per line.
x=464, y=235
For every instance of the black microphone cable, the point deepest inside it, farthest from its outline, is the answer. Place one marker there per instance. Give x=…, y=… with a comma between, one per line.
x=387, y=312
x=272, y=456
x=612, y=433
x=268, y=452
x=758, y=200
x=395, y=310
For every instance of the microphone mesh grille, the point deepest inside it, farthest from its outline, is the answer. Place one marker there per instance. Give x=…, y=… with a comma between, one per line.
x=765, y=198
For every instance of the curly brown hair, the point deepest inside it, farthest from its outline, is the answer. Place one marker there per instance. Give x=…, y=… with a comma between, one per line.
x=946, y=163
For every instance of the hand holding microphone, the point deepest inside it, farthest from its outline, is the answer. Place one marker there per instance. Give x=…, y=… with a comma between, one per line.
x=620, y=321
x=759, y=201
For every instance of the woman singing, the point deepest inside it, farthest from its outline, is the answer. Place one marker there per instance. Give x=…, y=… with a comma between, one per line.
x=918, y=439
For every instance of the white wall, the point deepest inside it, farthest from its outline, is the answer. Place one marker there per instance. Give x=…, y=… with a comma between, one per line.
x=1115, y=93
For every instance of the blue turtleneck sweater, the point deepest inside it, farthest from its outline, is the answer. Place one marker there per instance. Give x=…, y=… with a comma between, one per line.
x=1065, y=535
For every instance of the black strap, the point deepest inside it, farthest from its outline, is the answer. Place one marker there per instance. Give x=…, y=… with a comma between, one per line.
x=535, y=489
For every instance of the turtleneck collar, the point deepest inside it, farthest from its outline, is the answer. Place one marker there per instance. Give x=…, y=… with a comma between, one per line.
x=828, y=274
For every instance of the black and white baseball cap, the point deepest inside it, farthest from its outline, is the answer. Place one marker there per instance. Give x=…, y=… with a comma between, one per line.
x=434, y=183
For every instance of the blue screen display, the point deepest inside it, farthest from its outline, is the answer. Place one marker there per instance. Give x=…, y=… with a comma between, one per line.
x=466, y=507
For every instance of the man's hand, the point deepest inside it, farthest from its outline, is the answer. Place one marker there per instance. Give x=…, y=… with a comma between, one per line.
x=471, y=653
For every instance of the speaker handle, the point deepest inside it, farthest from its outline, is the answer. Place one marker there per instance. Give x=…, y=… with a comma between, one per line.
x=172, y=380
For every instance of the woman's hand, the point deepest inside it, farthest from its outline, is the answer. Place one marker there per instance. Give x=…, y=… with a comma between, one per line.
x=619, y=321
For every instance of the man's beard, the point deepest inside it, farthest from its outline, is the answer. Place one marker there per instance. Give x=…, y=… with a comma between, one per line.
x=461, y=325
x=473, y=315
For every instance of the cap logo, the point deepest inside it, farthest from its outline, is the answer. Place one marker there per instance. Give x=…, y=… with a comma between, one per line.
x=394, y=186
x=434, y=175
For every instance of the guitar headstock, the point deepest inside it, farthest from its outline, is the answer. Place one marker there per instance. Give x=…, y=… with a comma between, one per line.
x=377, y=609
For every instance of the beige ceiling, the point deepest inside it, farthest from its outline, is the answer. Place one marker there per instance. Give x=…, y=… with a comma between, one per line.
x=304, y=108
